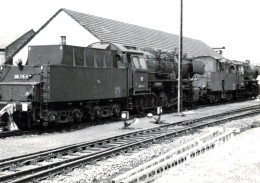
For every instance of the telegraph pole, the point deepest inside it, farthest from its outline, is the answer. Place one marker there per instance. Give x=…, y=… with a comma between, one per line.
x=180, y=63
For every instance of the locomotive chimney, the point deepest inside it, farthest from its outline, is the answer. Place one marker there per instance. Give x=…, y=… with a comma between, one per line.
x=63, y=40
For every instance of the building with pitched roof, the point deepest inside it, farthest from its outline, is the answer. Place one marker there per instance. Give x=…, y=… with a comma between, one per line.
x=83, y=29
x=11, y=43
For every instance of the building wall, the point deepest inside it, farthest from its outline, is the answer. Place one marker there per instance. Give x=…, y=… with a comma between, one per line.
x=61, y=25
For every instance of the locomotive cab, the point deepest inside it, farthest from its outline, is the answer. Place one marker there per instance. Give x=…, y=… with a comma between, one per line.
x=134, y=61
x=139, y=75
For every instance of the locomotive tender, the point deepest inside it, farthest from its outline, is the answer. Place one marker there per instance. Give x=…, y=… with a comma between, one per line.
x=62, y=83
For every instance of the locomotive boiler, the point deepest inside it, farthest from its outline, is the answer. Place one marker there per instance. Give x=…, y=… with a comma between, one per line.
x=62, y=83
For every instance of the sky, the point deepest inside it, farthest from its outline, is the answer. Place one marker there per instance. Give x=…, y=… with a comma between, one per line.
x=231, y=23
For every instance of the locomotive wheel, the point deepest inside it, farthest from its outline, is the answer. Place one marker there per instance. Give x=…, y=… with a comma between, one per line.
x=96, y=113
x=140, y=105
x=153, y=100
x=77, y=115
x=115, y=109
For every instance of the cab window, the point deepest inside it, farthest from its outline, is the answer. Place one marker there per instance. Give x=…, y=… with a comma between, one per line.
x=241, y=69
x=139, y=63
x=136, y=63
x=143, y=63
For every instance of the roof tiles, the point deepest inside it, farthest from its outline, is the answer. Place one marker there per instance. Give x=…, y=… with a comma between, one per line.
x=108, y=30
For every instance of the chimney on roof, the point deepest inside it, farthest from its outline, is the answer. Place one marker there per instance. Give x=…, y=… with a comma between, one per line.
x=63, y=40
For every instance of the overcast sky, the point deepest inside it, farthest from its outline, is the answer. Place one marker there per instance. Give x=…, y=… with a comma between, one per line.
x=231, y=23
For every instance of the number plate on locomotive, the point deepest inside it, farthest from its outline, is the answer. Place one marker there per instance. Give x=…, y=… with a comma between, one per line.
x=21, y=76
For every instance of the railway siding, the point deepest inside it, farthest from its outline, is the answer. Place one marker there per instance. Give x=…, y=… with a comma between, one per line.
x=100, y=151
x=150, y=170
x=104, y=171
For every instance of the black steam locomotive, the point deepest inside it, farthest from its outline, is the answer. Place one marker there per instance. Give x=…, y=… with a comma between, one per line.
x=62, y=83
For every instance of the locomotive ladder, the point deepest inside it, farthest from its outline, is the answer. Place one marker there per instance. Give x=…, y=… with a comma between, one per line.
x=44, y=90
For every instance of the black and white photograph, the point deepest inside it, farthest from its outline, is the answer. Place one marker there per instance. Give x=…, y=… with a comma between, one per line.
x=129, y=91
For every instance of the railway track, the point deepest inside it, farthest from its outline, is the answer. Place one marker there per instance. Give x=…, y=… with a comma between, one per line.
x=41, y=165
x=85, y=124
x=150, y=170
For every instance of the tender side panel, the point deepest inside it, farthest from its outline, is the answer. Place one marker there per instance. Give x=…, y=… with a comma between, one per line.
x=82, y=83
x=51, y=54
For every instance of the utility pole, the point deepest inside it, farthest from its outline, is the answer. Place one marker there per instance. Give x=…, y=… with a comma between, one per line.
x=180, y=63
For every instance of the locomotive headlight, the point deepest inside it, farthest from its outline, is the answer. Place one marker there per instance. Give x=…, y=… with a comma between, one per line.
x=124, y=115
x=41, y=67
x=1, y=68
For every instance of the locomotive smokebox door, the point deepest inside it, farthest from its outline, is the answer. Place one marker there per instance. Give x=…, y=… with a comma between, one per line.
x=140, y=75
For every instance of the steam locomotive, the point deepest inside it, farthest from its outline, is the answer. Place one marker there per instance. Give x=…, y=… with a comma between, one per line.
x=227, y=80
x=62, y=83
